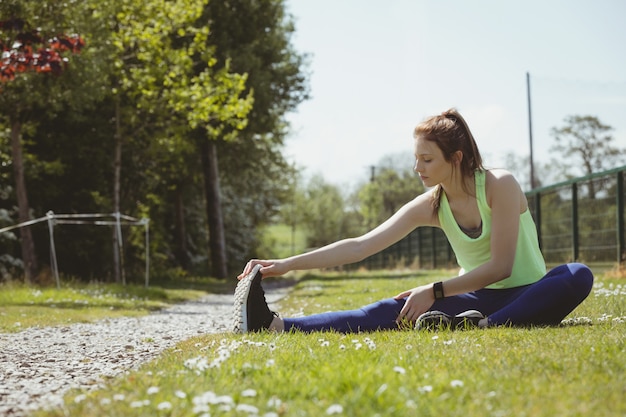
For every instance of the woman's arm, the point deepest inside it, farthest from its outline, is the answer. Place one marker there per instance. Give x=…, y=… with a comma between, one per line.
x=417, y=212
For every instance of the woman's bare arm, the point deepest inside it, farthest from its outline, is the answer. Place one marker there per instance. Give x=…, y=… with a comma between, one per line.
x=415, y=213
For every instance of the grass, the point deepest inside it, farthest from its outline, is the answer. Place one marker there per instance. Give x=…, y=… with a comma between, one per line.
x=577, y=369
x=281, y=241
x=24, y=306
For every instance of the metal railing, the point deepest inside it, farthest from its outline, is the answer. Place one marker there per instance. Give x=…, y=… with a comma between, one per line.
x=578, y=220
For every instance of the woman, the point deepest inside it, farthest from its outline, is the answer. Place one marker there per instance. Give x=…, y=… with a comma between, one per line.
x=485, y=216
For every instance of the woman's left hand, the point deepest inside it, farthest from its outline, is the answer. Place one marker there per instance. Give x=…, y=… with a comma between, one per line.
x=418, y=301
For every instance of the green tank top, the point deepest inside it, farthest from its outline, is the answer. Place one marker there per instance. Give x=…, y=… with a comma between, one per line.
x=529, y=265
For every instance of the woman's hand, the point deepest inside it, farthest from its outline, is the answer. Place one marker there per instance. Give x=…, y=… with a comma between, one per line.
x=270, y=268
x=418, y=301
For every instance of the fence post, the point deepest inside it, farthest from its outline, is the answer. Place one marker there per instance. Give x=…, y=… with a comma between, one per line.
x=538, y=216
x=147, y=223
x=575, y=252
x=53, y=252
x=420, y=248
x=433, y=242
x=621, y=245
x=120, y=245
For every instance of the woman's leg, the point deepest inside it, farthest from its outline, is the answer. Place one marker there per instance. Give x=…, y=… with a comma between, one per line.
x=550, y=299
x=380, y=315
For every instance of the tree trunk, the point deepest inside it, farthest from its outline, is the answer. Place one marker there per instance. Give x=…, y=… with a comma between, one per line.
x=118, y=271
x=217, y=241
x=182, y=254
x=29, y=256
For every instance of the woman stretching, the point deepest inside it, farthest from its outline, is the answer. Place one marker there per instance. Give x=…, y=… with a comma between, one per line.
x=483, y=213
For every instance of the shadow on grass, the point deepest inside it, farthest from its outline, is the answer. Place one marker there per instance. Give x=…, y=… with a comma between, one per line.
x=206, y=284
x=382, y=275
x=78, y=306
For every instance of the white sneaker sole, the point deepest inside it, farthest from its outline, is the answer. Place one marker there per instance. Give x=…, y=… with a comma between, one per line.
x=240, y=313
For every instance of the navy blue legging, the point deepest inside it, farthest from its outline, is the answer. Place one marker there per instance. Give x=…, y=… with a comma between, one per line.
x=545, y=302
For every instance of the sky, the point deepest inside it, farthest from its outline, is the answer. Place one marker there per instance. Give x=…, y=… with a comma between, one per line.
x=377, y=68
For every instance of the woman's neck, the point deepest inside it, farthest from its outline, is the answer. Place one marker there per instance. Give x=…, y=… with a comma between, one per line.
x=459, y=189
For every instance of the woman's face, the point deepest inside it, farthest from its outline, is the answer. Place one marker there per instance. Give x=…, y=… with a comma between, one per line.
x=430, y=164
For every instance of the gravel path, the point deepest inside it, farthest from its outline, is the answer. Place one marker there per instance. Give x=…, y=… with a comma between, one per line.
x=39, y=365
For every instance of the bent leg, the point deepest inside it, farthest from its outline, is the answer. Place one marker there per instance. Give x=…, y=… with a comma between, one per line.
x=377, y=316
x=550, y=299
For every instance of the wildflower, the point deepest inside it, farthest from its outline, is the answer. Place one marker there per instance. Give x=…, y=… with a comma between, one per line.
x=105, y=401
x=200, y=408
x=119, y=397
x=80, y=398
x=222, y=399
x=425, y=388
x=246, y=408
x=399, y=370
x=165, y=405
x=334, y=409
x=248, y=393
x=180, y=394
x=204, y=398
x=139, y=404
x=153, y=390
x=274, y=402
x=198, y=364
x=456, y=383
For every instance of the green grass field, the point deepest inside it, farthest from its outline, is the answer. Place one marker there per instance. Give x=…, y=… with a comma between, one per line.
x=281, y=241
x=577, y=369
x=22, y=306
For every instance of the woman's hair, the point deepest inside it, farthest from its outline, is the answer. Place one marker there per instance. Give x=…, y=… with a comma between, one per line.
x=451, y=134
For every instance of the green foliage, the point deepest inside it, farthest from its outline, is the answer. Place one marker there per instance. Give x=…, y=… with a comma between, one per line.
x=177, y=73
x=323, y=213
x=389, y=190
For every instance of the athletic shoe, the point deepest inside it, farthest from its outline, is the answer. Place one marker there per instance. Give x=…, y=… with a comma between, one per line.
x=438, y=320
x=251, y=313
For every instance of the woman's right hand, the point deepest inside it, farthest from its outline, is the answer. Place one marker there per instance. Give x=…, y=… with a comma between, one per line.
x=270, y=268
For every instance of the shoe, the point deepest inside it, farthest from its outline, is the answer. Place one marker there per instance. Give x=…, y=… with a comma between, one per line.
x=251, y=313
x=438, y=320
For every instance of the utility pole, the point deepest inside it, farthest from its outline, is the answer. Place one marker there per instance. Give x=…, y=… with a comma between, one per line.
x=530, y=134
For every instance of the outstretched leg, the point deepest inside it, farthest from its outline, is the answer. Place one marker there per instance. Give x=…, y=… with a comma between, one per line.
x=550, y=299
x=380, y=315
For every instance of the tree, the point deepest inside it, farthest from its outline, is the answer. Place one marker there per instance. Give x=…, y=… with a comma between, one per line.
x=391, y=186
x=254, y=38
x=163, y=61
x=24, y=50
x=323, y=213
x=588, y=140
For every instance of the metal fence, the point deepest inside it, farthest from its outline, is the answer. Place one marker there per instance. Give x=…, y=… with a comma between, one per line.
x=578, y=220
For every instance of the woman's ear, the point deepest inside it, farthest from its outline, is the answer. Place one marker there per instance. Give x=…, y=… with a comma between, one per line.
x=457, y=157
